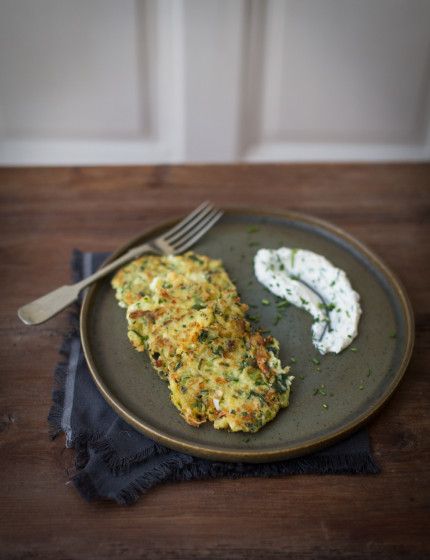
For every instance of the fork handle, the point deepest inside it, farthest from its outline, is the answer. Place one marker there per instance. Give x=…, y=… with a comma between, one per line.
x=49, y=305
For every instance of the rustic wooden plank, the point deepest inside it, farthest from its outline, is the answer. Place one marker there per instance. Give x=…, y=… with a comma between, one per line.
x=45, y=212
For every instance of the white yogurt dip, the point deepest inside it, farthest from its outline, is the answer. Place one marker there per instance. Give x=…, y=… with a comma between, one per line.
x=313, y=283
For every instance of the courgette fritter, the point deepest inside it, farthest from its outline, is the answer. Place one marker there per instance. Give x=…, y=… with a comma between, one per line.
x=186, y=313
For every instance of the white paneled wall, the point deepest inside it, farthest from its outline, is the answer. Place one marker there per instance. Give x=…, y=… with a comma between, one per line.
x=144, y=81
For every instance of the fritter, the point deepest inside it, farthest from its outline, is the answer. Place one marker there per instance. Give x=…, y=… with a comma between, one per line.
x=186, y=313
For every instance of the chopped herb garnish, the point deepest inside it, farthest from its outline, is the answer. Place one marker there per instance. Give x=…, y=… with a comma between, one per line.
x=393, y=335
x=265, y=302
x=293, y=360
x=282, y=304
x=316, y=361
x=281, y=383
x=198, y=304
x=361, y=387
x=369, y=373
x=327, y=306
x=253, y=229
x=304, y=301
x=320, y=391
x=293, y=256
x=353, y=349
x=195, y=258
x=277, y=319
x=203, y=336
x=325, y=406
x=258, y=396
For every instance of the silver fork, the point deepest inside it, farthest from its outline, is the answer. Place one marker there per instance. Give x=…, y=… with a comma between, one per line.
x=177, y=240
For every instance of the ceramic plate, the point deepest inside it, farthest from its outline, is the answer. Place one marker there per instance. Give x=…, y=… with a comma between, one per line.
x=357, y=382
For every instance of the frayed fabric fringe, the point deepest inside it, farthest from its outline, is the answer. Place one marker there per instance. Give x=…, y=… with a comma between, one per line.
x=119, y=465
x=177, y=468
x=142, y=484
x=358, y=463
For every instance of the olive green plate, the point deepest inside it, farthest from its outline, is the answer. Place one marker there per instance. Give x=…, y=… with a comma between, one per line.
x=357, y=382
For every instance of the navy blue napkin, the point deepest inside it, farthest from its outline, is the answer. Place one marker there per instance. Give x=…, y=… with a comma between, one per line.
x=115, y=462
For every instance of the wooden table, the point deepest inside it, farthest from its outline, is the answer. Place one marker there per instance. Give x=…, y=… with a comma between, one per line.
x=45, y=213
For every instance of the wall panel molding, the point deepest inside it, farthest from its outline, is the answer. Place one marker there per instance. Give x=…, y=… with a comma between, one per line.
x=337, y=80
x=213, y=81
x=156, y=135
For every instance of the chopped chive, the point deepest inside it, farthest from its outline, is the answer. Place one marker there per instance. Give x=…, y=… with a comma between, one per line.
x=361, y=387
x=320, y=391
x=203, y=336
x=293, y=256
x=265, y=302
x=354, y=349
x=293, y=360
x=282, y=304
x=316, y=361
x=369, y=373
x=325, y=406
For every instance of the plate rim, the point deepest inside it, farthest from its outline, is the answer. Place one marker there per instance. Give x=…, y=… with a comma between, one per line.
x=279, y=452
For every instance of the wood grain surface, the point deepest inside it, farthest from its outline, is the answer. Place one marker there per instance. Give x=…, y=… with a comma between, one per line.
x=45, y=213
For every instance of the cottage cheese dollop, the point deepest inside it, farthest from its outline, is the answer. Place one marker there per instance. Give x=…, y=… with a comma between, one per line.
x=313, y=283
